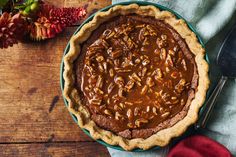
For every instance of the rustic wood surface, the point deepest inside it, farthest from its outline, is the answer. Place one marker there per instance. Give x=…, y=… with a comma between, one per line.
x=33, y=118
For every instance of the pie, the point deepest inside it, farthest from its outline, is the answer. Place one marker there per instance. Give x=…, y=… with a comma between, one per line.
x=135, y=76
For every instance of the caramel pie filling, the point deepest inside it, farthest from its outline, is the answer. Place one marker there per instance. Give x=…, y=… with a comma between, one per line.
x=136, y=75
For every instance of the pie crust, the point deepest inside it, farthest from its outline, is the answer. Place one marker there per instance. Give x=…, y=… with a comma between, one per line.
x=162, y=137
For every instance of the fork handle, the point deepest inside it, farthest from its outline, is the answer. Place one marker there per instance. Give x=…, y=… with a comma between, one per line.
x=201, y=123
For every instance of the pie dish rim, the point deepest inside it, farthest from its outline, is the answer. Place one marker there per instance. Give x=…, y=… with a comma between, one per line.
x=178, y=18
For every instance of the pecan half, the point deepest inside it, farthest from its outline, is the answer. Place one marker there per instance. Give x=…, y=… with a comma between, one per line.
x=180, y=86
x=169, y=61
x=171, y=52
x=140, y=122
x=114, y=53
x=151, y=30
x=154, y=110
x=129, y=103
x=176, y=48
x=129, y=113
x=163, y=37
x=184, y=64
x=157, y=74
x=174, y=74
x=137, y=61
x=166, y=114
x=117, y=108
x=99, y=58
x=111, y=72
x=145, y=62
x=129, y=85
x=122, y=105
x=105, y=44
x=136, y=111
x=121, y=92
x=100, y=67
x=144, y=71
x=144, y=90
x=108, y=112
x=99, y=82
x=119, y=116
x=135, y=77
x=110, y=88
x=98, y=91
x=119, y=81
x=142, y=33
x=163, y=54
x=150, y=82
x=161, y=43
x=95, y=101
x=105, y=66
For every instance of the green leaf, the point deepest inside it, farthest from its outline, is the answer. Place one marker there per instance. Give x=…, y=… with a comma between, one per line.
x=3, y=3
x=29, y=2
x=20, y=7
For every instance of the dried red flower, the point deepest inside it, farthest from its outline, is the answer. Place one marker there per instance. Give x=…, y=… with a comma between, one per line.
x=52, y=20
x=12, y=29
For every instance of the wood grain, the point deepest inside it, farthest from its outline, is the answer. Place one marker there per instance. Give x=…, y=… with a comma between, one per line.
x=33, y=118
x=29, y=86
x=81, y=149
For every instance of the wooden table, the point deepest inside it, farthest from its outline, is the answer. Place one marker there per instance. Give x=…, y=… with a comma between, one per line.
x=33, y=118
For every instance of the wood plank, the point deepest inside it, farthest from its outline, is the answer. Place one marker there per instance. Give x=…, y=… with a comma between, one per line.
x=31, y=104
x=32, y=107
x=81, y=149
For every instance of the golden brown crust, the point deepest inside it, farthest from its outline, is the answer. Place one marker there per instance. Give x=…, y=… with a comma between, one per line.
x=162, y=137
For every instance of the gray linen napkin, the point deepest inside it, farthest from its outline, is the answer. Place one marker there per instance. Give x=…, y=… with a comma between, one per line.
x=212, y=19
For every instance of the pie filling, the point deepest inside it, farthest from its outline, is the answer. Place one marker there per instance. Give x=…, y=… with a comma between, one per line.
x=136, y=75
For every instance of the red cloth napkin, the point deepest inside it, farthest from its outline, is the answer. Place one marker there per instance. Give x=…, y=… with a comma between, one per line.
x=199, y=146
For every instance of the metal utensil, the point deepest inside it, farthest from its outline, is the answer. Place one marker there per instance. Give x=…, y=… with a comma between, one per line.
x=226, y=60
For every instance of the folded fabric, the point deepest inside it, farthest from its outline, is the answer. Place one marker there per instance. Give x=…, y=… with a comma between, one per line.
x=199, y=146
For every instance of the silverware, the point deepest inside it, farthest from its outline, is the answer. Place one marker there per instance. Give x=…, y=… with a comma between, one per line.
x=226, y=60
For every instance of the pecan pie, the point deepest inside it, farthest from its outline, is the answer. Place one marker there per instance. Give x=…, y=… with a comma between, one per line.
x=135, y=76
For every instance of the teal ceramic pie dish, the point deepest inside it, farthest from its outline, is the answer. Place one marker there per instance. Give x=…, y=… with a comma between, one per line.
x=89, y=19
